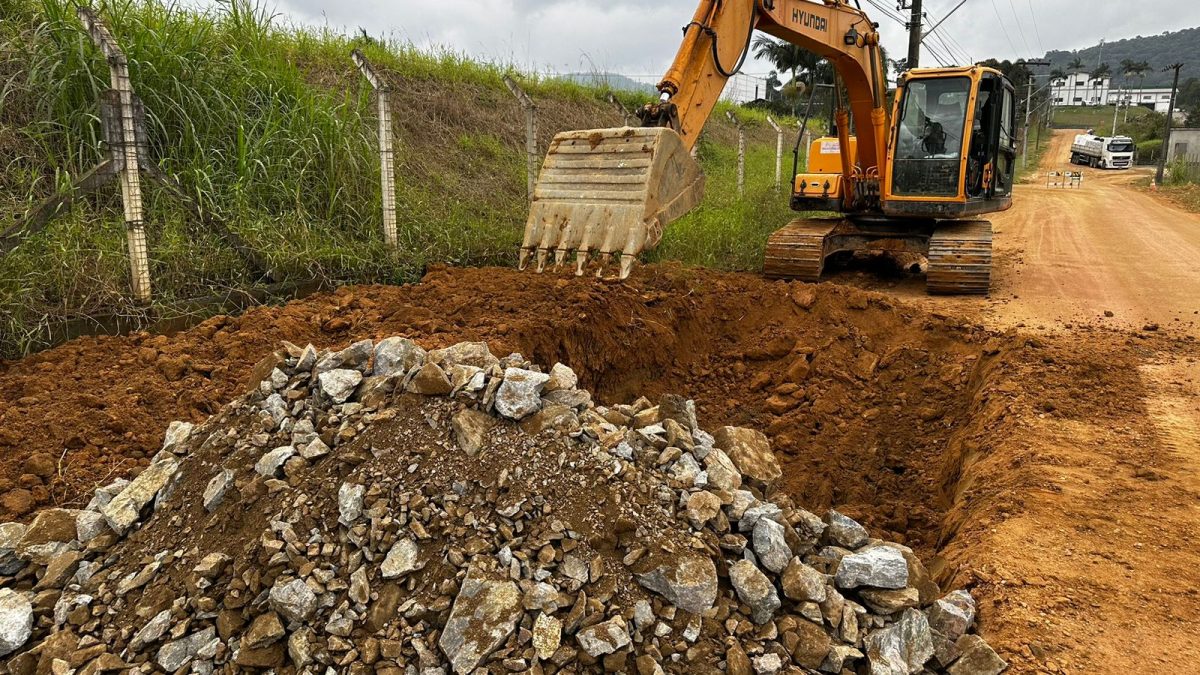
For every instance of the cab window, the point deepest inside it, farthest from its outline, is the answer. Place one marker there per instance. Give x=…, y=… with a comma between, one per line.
x=930, y=135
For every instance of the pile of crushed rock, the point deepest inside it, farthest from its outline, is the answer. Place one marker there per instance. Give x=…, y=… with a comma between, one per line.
x=383, y=509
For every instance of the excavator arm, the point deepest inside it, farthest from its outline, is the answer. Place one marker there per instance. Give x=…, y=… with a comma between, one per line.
x=718, y=39
x=608, y=191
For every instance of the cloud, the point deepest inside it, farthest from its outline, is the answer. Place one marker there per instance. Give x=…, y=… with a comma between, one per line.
x=639, y=38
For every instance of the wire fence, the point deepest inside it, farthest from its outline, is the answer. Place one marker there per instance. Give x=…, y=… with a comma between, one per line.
x=131, y=161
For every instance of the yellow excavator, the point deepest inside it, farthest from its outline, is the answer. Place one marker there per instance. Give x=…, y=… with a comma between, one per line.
x=914, y=181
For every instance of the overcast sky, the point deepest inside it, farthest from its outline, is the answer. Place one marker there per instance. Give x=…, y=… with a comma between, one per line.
x=640, y=38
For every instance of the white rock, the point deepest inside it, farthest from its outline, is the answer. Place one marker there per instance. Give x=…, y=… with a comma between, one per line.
x=354, y=357
x=465, y=353
x=767, y=664
x=177, y=433
x=316, y=449
x=755, y=589
x=153, y=630
x=902, y=648
x=89, y=525
x=104, y=495
x=16, y=621
x=687, y=580
x=879, y=567
x=350, y=503
x=339, y=384
x=561, y=378
x=485, y=613
x=769, y=545
x=471, y=428
x=520, y=394
x=294, y=600
x=401, y=559
x=953, y=615
x=845, y=531
x=269, y=465
x=603, y=638
x=10, y=536
x=178, y=653
x=397, y=356
x=125, y=509
x=215, y=492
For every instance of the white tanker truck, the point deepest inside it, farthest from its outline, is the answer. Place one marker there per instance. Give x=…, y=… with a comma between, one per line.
x=1100, y=152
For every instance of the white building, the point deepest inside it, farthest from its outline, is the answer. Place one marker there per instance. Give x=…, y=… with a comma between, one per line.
x=1159, y=100
x=1082, y=89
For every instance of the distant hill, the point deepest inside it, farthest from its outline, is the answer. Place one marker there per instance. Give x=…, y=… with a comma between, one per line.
x=614, y=81
x=1159, y=51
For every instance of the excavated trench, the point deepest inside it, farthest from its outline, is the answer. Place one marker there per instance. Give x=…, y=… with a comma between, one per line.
x=872, y=407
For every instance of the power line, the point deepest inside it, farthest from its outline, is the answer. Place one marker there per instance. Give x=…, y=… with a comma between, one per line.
x=1020, y=31
x=1000, y=20
x=1036, y=31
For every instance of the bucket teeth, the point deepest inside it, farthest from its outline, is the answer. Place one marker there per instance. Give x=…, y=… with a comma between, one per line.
x=609, y=191
x=627, y=265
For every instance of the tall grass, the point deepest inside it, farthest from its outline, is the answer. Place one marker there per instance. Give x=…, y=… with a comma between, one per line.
x=258, y=122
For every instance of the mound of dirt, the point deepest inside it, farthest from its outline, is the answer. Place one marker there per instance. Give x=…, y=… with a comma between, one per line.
x=858, y=396
x=387, y=509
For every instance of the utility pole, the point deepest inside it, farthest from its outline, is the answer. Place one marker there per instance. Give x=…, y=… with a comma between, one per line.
x=1029, y=107
x=914, y=35
x=1162, y=157
x=1025, y=139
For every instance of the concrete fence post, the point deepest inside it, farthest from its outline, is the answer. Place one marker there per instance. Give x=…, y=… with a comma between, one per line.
x=131, y=185
x=387, y=155
x=532, y=158
x=806, y=140
x=741, y=160
x=778, y=151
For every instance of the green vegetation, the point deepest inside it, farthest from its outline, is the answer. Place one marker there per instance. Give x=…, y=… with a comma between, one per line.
x=1158, y=51
x=270, y=128
x=727, y=231
x=1099, y=118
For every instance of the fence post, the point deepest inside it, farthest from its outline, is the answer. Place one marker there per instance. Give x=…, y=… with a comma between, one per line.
x=778, y=151
x=531, y=145
x=741, y=165
x=131, y=186
x=387, y=163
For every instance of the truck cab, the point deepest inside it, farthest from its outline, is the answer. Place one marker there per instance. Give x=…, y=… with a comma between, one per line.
x=1101, y=152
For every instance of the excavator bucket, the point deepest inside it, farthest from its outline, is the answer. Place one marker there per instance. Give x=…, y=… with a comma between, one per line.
x=606, y=191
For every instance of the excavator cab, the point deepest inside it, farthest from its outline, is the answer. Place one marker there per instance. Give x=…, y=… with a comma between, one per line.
x=953, y=145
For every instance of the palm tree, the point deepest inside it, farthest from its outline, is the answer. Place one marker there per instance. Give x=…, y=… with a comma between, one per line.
x=1129, y=68
x=801, y=63
x=1143, y=67
x=1056, y=75
x=1102, y=71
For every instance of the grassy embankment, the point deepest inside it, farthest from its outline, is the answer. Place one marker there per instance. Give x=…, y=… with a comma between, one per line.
x=271, y=128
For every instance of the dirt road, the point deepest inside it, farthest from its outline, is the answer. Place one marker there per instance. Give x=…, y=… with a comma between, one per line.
x=1067, y=256
x=1096, y=574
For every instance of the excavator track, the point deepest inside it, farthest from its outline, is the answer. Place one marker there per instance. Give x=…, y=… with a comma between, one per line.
x=798, y=250
x=960, y=258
